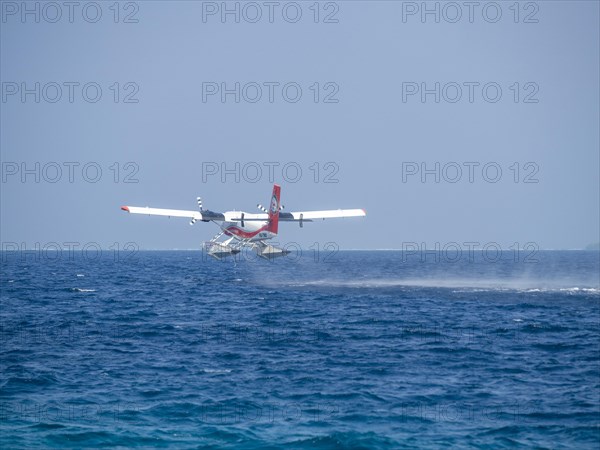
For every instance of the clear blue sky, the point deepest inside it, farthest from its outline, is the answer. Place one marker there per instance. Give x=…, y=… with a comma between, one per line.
x=372, y=134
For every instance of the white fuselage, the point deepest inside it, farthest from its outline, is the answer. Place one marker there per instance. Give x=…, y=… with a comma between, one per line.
x=254, y=230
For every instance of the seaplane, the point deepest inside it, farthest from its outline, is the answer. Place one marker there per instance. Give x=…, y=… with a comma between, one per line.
x=240, y=230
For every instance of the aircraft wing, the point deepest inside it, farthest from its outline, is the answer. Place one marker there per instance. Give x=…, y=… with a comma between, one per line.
x=305, y=216
x=326, y=214
x=196, y=215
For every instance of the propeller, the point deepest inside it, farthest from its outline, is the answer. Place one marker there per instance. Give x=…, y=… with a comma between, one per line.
x=263, y=209
x=199, y=200
x=242, y=220
x=301, y=220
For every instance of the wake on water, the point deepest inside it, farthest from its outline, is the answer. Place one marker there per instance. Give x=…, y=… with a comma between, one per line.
x=467, y=284
x=552, y=272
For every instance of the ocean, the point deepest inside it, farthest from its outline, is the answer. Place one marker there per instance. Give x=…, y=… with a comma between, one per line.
x=348, y=349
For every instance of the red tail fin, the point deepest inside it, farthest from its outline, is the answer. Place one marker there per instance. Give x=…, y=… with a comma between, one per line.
x=274, y=209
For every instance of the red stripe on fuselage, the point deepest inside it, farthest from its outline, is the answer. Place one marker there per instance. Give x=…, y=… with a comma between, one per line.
x=235, y=231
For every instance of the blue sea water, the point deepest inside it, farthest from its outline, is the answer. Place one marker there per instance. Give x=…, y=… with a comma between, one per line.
x=354, y=349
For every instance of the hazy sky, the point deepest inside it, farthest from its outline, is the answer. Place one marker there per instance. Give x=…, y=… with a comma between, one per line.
x=517, y=92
